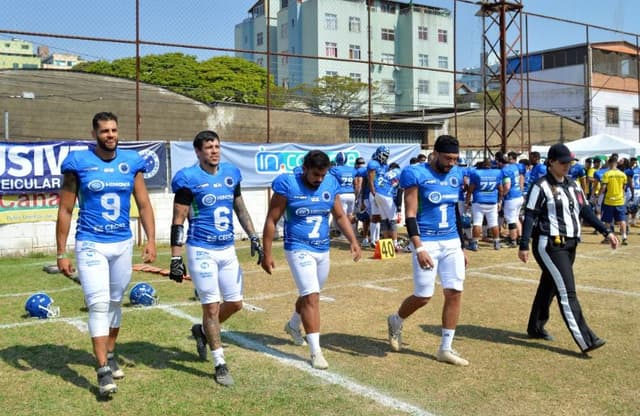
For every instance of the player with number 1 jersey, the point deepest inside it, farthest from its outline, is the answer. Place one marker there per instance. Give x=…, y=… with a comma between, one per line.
x=438, y=196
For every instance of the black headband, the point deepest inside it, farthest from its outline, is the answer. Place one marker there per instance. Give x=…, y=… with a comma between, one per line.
x=446, y=147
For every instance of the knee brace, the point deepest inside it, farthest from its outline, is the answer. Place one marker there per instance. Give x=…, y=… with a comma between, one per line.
x=115, y=314
x=512, y=226
x=99, y=319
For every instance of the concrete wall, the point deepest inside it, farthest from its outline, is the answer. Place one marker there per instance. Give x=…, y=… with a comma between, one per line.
x=65, y=103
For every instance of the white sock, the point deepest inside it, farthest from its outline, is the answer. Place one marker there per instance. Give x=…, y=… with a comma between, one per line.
x=396, y=321
x=218, y=357
x=447, y=338
x=314, y=342
x=295, y=321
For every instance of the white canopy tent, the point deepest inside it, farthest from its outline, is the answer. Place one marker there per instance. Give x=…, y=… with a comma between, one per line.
x=600, y=144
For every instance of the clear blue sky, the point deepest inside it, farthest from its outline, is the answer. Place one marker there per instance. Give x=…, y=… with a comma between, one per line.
x=211, y=23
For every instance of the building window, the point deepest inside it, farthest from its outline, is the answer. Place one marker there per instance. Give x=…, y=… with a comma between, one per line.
x=387, y=58
x=636, y=117
x=260, y=61
x=388, y=86
x=443, y=88
x=354, y=24
x=443, y=62
x=330, y=21
x=423, y=33
x=285, y=83
x=442, y=36
x=423, y=60
x=259, y=38
x=355, y=76
x=258, y=10
x=331, y=73
x=284, y=59
x=24, y=46
x=612, y=116
x=423, y=86
x=388, y=34
x=388, y=8
x=331, y=49
x=284, y=31
x=284, y=4
x=354, y=51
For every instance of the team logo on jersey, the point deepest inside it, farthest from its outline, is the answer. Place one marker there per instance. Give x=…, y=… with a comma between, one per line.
x=326, y=196
x=454, y=181
x=204, y=265
x=96, y=185
x=303, y=212
x=208, y=200
x=435, y=197
x=229, y=182
x=151, y=163
x=123, y=168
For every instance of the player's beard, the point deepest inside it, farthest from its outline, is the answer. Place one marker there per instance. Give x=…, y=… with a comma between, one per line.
x=310, y=184
x=441, y=168
x=103, y=146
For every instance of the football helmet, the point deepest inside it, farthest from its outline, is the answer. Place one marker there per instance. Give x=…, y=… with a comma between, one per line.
x=381, y=154
x=340, y=159
x=143, y=294
x=40, y=305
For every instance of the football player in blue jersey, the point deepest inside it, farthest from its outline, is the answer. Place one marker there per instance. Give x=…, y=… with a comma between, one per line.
x=376, y=169
x=207, y=194
x=103, y=179
x=306, y=199
x=486, y=188
x=433, y=223
x=345, y=175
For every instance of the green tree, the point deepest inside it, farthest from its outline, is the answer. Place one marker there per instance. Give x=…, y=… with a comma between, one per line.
x=335, y=94
x=222, y=78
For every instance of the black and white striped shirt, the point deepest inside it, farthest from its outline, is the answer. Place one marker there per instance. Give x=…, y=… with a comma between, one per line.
x=554, y=209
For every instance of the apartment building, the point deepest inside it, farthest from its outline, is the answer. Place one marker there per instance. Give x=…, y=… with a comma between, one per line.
x=409, y=54
x=18, y=54
x=596, y=84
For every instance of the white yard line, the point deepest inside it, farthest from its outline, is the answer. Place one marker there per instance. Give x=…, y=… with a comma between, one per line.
x=302, y=365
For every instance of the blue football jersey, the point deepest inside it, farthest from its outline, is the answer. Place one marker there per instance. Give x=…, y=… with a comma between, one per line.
x=104, y=193
x=306, y=218
x=380, y=169
x=512, y=172
x=345, y=176
x=437, y=200
x=486, y=183
x=211, y=213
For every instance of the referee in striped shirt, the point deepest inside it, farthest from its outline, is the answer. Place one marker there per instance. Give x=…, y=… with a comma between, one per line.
x=554, y=207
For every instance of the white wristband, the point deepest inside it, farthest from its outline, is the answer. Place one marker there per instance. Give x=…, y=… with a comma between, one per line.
x=421, y=249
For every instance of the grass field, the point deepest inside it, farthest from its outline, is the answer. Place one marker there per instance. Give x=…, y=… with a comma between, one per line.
x=47, y=367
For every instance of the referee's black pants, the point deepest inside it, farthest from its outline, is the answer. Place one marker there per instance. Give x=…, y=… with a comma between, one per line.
x=556, y=262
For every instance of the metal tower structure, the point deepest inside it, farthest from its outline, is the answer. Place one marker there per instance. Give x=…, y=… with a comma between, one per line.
x=502, y=39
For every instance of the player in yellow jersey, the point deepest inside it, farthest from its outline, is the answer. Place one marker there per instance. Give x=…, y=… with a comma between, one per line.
x=613, y=184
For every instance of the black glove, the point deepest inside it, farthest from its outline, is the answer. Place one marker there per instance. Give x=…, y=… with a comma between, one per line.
x=177, y=271
x=256, y=248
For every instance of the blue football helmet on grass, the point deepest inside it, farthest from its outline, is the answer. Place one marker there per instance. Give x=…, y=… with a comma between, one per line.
x=143, y=294
x=40, y=305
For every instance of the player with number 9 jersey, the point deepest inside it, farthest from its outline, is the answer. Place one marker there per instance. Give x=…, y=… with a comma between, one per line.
x=211, y=213
x=104, y=193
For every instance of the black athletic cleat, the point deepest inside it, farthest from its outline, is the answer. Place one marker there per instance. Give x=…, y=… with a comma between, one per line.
x=201, y=341
x=105, y=381
x=222, y=375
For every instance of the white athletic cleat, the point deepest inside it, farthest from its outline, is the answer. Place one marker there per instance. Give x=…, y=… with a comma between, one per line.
x=451, y=357
x=395, y=334
x=296, y=334
x=318, y=361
